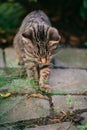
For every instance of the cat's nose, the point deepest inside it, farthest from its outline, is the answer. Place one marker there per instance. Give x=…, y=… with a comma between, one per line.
x=43, y=60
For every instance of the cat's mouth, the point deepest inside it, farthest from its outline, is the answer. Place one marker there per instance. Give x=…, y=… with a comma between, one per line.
x=43, y=60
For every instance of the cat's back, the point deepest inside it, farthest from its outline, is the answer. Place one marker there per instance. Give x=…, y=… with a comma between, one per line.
x=36, y=17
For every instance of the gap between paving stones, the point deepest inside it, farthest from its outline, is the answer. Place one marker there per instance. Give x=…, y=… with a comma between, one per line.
x=51, y=119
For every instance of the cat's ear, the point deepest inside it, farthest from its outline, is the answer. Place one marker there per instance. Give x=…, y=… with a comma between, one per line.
x=53, y=35
x=26, y=36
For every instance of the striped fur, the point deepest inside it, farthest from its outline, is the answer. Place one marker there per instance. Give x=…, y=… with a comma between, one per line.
x=35, y=44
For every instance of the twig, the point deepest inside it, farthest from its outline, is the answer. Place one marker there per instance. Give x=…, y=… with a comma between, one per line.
x=80, y=111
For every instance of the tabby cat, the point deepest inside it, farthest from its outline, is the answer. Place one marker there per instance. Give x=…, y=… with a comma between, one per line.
x=35, y=44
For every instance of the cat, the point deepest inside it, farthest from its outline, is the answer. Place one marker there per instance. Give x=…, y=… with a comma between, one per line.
x=35, y=44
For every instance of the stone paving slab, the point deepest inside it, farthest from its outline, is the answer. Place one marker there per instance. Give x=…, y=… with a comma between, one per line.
x=68, y=80
x=69, y=102
x=72, y=57
x=20, y=108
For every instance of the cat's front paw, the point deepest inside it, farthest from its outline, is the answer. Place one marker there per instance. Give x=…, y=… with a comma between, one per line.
x=45, y=87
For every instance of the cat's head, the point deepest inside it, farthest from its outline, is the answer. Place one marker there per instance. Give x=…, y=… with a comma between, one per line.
x=42, y=42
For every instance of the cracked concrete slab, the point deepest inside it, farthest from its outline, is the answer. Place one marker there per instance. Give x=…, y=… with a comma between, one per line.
x=21, y=108
x=69, y=103
x=68, y=80
x=72, y=57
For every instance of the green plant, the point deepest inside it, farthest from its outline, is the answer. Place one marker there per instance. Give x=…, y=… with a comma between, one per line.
x=57, y=110
x=83, y=10
x=69, y=100
x=10, y=15
x=82, y=127
x=85, y=44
